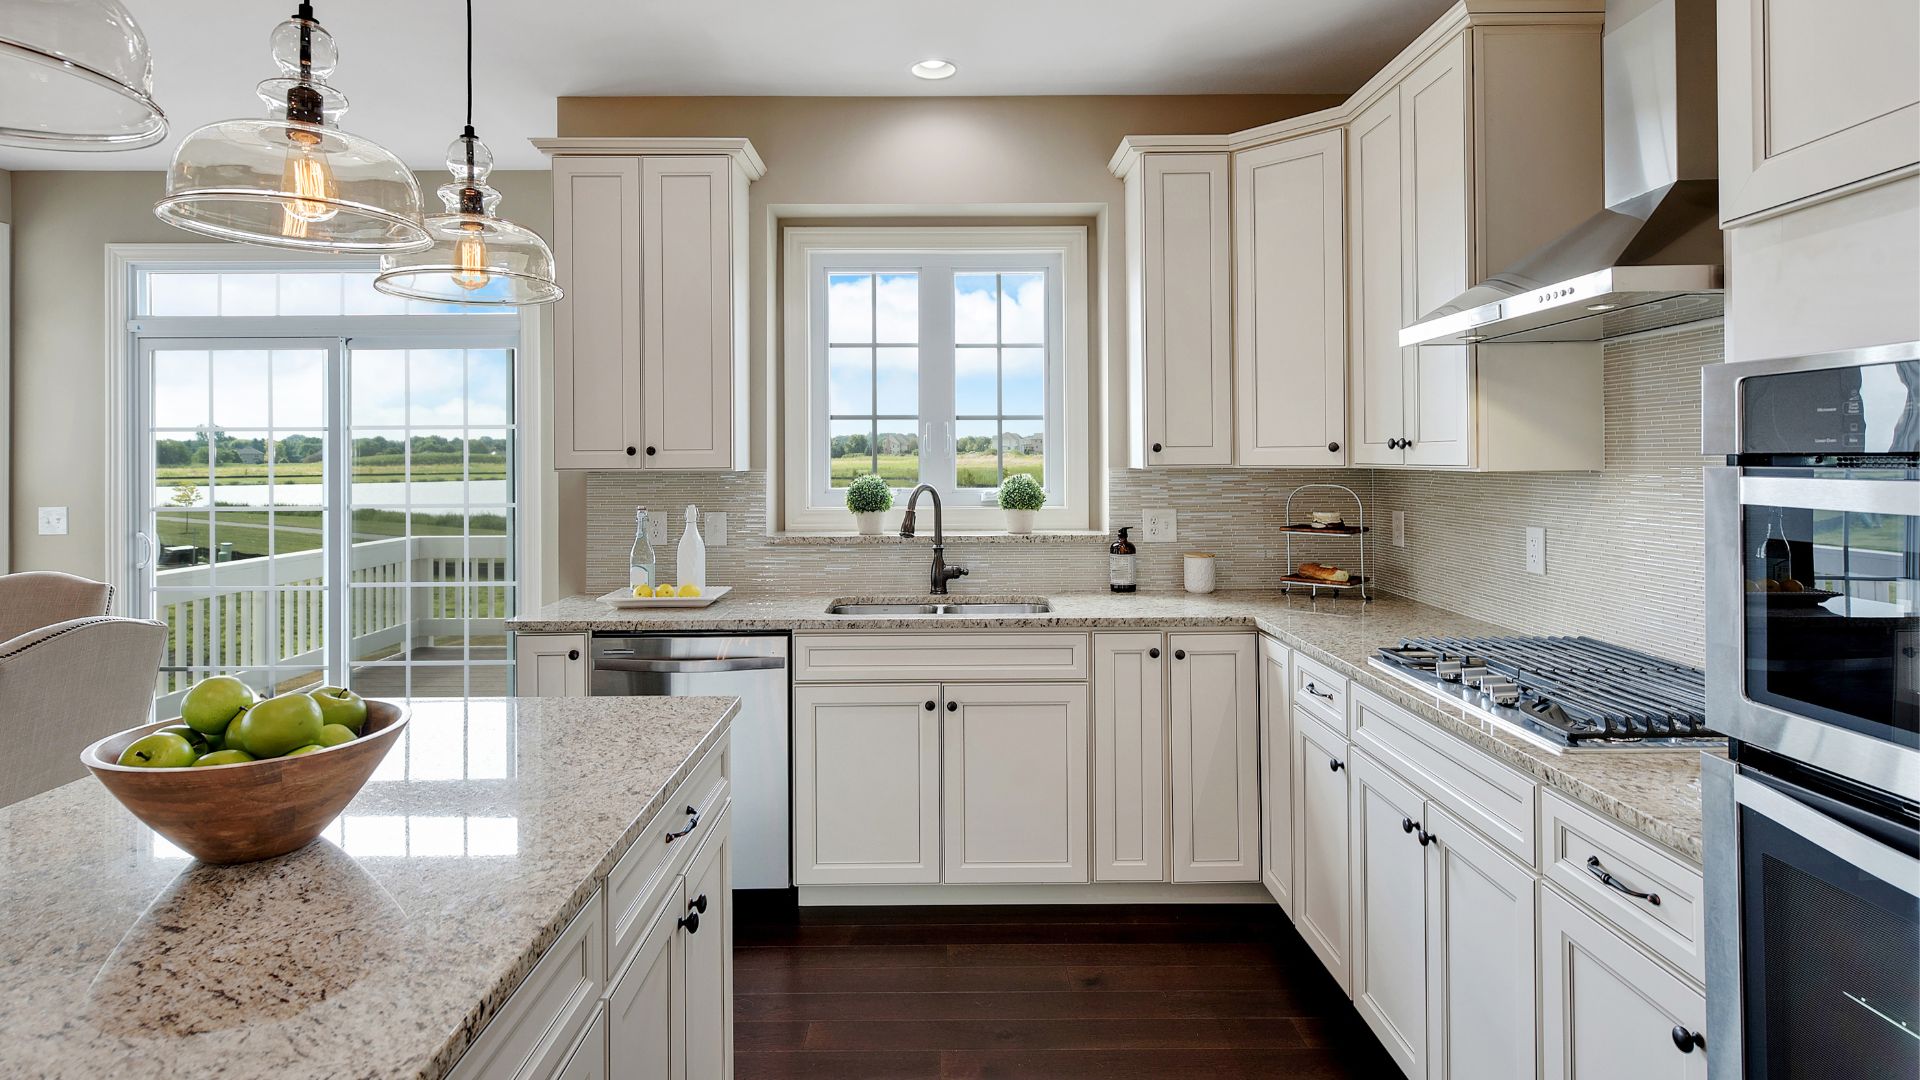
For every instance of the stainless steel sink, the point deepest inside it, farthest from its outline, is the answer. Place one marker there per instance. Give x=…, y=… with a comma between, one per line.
x=957, y=608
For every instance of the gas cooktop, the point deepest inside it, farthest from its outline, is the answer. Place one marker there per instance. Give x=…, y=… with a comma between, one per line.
x=1563, y=693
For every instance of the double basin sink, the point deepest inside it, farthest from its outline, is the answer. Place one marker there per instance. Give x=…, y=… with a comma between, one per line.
x=957, y=607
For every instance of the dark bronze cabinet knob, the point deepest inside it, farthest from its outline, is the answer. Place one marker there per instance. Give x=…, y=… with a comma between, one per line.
x=651, y=451
x=929, y=706
x=953, y=706
x=1333, y=448
x=1154, y=653
x=632, y=451
x=1156, y=448
x=573, y=654
x=1687, y=1041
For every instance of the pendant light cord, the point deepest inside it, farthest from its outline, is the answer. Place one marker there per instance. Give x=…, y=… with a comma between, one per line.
x=469, y=79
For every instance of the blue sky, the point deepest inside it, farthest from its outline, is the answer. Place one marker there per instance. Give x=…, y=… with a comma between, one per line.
x=856, y=314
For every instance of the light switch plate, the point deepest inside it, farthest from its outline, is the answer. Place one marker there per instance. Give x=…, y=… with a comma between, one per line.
x=53, y=521
x=716, y=528
x=1536, y=550
x=1158, y=527
x=1399, y=528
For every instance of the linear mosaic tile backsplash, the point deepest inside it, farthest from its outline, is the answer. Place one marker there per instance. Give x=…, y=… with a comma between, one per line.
x=1625, y=546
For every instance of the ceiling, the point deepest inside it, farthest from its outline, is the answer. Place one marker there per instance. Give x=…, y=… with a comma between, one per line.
x=401, y=59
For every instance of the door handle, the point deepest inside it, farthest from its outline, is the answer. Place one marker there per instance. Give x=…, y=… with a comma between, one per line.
x=693, y=822
x=1614, y=883
x=1319, y=693
x=1336, y=764
x=603, y=662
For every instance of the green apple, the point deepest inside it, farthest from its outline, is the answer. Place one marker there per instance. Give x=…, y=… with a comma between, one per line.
x=213, y=703
x=277, y=725
x=199, y=741
x=341, y=706
x=334, y=735
x=160, y=750
x=304, y=751
x=225, y=757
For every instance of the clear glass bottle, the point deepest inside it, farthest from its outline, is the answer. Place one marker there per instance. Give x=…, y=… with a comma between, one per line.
x=640, y=564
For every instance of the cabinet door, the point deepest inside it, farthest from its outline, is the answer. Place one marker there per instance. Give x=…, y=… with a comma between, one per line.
x=1214, y=731
x=1320, y=842
x=1606, y=1009
x=1437, y=140
x=1376, y=283
x=1815, y=95
x=596, y=329
x=1480, y=965
x=550, y=665
x=589, y=1058
x=866, y=784
x=1439, y=406
x=646, y=1011
x=1276, y=775
x=709, y=949
x=1290, y=345
x=1015, y=776
x=1129, y=759
x=1389, y=893
x=687, y=218
x=1188, y=377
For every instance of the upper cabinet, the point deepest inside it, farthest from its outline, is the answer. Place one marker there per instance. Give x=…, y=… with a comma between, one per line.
x=1816, y=97
x=650, y=365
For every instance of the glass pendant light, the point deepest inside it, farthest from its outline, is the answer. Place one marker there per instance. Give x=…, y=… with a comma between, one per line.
x=294, y=179
x=476, y=257
x=75, y=75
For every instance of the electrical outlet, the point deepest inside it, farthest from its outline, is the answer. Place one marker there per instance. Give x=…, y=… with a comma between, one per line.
x=1158, y=527
x=656, y=530
x=53, y=521
x=1399, y=528
x=716, y=528
x=1536, y=550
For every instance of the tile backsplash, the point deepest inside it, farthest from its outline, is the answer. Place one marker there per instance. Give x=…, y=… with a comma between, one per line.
x=1625, y=546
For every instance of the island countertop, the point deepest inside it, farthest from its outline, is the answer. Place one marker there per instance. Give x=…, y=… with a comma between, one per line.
x=380, y=950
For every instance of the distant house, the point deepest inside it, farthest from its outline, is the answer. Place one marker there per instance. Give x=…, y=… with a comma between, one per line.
x=250, y=455
x=1022, y=444
x=892, y=443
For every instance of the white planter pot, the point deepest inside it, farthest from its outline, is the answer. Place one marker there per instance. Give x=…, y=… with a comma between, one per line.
x=868, y=523
x=1020, y=522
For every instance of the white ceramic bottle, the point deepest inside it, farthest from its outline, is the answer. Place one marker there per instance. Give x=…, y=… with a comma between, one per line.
x=691, y=562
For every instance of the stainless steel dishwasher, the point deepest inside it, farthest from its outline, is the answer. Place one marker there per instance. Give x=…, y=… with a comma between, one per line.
x=753, y=668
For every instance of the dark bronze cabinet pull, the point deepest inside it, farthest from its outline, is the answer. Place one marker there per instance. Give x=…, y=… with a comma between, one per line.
x=1156, y=448
x=1336, y=764
x=1333, y=448
x=573, y=654
x=693, y=822
x=1686, y=1040
x=698, y=903
x=1614, y=883
x=929, y=706
x=953, y=706
x=690, y=922
x=1426, y=838
x=1153, y=653
x=1179, y=654
x=1407, y=825
x=1317, y=692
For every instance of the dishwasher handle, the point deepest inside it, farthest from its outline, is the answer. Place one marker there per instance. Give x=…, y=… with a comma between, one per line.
x=690, y=667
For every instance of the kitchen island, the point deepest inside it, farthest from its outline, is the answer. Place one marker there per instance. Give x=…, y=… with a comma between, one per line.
x=381, y=950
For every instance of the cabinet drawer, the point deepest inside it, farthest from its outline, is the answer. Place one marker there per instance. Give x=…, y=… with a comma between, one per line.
x=1577, y=846
x=965, y=657
x=1320, y=690
x=1491, y=797
x=647, y=870
x=530, y=1037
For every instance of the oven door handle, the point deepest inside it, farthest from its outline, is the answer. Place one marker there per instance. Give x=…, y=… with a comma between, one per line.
x=1857, y=849
x=691, y=666
x=1892, y=497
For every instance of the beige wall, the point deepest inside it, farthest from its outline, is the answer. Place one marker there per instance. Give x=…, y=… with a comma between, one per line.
x=62, y=223
x=924, y=158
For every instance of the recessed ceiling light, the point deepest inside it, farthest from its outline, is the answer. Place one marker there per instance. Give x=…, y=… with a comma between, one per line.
x=934, y=69
x=1601, y=307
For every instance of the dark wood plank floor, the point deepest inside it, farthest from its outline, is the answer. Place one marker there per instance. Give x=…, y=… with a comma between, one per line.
x=1220, y=992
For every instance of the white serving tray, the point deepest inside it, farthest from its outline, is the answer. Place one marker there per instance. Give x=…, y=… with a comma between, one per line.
x=621, y=598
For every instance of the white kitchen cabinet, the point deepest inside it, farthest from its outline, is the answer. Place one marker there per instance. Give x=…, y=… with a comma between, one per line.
x=1320, y=880
x=1389, y=893
x=866, y=784
x=1376, y=282
x=1480, y=956
x=1608, y=1010
x=1178, y=277
x=1129, y=757
x=1015, y=782
x=550, y=665
x=708, y=939
x=1436, y=137
x=533, y=1034
x=588, y=1061
x=1214, y=733
x=1276, y=774
x=647, y=1008
x=650, y=341
x=1816, y=97
x=1290, y=340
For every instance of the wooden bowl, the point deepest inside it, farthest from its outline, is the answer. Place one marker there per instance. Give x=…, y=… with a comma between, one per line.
x=251, y=810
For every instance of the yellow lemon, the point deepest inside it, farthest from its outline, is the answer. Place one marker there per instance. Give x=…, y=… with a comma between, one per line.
x=643, y=590
x=689, y=590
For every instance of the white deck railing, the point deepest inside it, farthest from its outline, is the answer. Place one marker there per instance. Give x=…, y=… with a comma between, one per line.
x=250, y=616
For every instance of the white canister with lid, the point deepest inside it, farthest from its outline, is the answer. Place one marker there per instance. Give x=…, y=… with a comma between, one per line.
x=1199, y=566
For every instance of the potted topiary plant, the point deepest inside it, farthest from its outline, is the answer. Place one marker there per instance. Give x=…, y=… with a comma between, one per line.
x=868, y=497
x=1020, y=496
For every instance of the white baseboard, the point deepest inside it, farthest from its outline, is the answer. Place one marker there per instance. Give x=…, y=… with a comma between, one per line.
x=1104, y=892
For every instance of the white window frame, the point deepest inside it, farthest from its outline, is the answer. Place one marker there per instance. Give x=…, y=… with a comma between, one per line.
x=811, y=504
x=125, y=426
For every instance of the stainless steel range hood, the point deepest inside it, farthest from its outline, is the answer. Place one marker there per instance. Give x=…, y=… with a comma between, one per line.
x=1653, y=257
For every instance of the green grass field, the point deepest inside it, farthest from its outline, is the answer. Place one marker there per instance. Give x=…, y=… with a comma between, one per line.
x=903, y=470
x=484, y=467
x=247, y=530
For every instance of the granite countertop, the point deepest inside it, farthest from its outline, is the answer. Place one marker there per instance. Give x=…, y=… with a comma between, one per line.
x=378, y=951
x=1655, y=793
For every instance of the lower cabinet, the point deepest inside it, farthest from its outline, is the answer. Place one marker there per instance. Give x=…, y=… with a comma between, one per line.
x=866, y=784
x=1608, y=1010
x=1214, y=734
x=669, y=1013
x=550, y=665
x=1014, y=766
x=1129, y=757
x=1276, y=775
x=1389, y=896
x=589, y=1058
x=1320, y=881
x=1480, y=956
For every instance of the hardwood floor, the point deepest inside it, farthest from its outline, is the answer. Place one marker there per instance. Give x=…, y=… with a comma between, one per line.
x=1220, y=992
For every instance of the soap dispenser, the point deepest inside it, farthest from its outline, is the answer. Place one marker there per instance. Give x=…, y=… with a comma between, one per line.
x=1120, y=564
